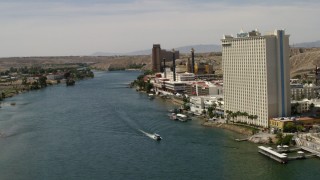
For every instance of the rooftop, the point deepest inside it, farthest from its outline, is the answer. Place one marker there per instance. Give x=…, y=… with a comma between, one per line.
x=288, y=119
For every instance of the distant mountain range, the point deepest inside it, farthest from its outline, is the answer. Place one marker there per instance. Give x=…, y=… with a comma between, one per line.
x=185, y=49
x=308, y=44
x=198, y=49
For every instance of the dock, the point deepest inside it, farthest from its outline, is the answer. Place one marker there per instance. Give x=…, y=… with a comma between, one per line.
x=285, y=150
x=309, y=146
x=282, y=158
x=315, y=153
x=240, y=140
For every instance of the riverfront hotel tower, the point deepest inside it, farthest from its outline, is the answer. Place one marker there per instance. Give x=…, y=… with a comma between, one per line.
x=256, y=76
x=159, y=55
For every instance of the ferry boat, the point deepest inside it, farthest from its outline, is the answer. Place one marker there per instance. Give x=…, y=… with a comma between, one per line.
x=156, y=137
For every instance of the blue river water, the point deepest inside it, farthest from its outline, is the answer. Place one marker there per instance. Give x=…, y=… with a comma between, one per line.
x=91, y=131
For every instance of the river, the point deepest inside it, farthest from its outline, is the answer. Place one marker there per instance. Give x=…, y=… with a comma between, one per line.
x=91, y=131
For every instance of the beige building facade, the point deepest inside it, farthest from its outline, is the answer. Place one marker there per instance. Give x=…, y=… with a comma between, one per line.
x=256, y=75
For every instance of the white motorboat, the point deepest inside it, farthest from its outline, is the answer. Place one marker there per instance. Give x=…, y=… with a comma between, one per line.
x=182, y=117
x=156, y=137
x=151, y=96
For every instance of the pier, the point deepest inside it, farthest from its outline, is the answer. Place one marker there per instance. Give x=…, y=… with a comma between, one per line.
x=282, y=158
x=309, y=143
x=240, y=140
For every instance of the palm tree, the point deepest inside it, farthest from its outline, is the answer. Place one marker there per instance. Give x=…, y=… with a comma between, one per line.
x=210, y=113
x=311, y=107
x=251, y=117
x=234, y=115
x=245, y=114
x=214, y=106
x=294, y=108
x=228, y=115
x=238, y=113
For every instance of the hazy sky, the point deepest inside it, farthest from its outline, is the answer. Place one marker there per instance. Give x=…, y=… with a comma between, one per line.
x=82, y=27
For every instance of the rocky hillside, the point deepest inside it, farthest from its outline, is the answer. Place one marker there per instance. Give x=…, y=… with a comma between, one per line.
x=303, y=60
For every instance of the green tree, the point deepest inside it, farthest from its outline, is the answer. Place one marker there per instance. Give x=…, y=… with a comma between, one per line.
x=294, y=108
x=234, y=115
x=185, y=99
x=35, y=85
x=210, y=113
x=42, y=81
x=214, y=106
x=228, y=116
x=311, y=107
x=285, y=140
x=250, y=117
x=297, y=76
x=2, y=96
x=148, y=72
x=186, y=106
x=140, y=77
x=299, y=128
x=204, y=112
x=24, y=81
x=279, y=136
x=148, y=86
x=304, y=81
x=245, y=114
x=13, y=70
x=290, y=127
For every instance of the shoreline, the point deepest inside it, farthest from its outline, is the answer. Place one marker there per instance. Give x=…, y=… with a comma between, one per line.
x=204, y=122
x=230, y=127
x=22, y=80
x=247, y=132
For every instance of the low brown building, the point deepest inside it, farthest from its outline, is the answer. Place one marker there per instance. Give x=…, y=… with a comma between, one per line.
x=280, y=123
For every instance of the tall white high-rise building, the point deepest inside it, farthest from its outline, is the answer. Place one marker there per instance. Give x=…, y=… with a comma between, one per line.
x=256, y=76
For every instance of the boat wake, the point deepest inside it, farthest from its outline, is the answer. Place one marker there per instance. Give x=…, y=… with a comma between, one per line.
x=131, y=123
x=134, y=125
x=147, y=134
x=154, y=136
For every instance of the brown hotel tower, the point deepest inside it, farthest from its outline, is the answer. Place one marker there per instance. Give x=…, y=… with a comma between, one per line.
x=158, y=55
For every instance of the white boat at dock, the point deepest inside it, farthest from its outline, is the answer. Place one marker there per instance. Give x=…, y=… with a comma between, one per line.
x=151, y=96
x=182, y=117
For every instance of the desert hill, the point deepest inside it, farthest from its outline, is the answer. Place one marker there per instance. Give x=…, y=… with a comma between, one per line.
x=302, y=61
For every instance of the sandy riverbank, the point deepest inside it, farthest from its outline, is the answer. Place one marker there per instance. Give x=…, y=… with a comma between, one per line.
x=260, y=138
x=231, y=127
